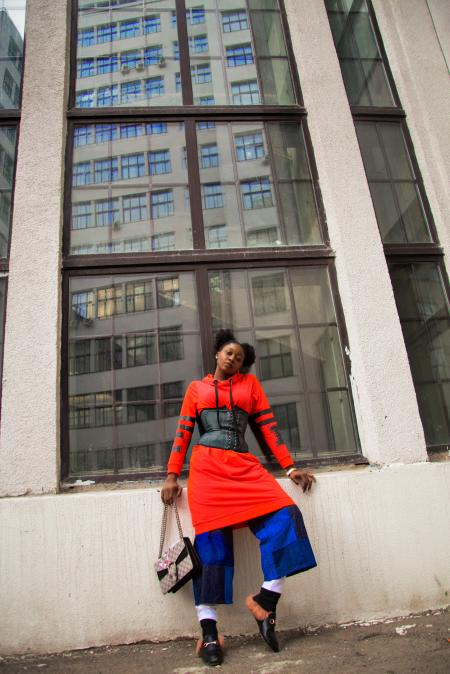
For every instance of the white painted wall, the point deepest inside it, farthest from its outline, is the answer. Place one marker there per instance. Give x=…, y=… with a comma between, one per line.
x=77, y=569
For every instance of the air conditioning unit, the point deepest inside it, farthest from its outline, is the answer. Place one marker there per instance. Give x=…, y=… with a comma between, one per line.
x=88, y=322
x=162, y=62
x=125, y=69
x=117, y=225
x=140, y=65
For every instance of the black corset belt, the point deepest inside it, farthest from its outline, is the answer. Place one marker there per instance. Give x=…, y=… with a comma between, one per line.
x=222, y=429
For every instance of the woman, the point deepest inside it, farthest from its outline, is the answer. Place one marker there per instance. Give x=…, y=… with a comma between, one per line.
x=228, y=488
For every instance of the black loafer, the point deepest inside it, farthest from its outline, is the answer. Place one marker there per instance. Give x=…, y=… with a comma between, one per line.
x=267, y=629
x=210, y=651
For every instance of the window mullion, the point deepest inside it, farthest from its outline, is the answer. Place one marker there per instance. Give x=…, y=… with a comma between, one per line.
x=183, y=43
x=195, y=200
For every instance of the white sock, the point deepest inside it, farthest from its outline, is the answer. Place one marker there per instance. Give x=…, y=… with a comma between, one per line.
x=206, y=612
x=276, y=585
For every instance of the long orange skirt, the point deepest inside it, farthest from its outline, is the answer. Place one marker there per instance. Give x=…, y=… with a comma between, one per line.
x=227, y=488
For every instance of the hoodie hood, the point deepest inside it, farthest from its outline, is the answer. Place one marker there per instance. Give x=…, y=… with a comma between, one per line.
x=209, y=379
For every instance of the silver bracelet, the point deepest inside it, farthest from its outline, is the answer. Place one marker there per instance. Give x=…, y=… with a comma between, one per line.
x=291, y=470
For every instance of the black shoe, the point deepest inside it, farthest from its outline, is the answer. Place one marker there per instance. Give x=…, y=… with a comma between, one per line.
x=210, y=651
x=267, y=629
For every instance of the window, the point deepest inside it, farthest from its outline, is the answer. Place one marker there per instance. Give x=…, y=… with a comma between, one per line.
x=140, y=407
x=161, y=204
x=130, y=91
x=152, y=24
x=256, y=193
x=240, y=55
x=201, y=73
x=149, y=182
x=105, y=133
x=82, y=305
x=154, y=86
x=269, y=294
x=82, y=174
x=86, y=37
x=106, y=170
x=129, y=28
x=107, y=64
x=171, y=345
x=404, y=218
x=133, y=166
x=198, y=44
x=80, y=357
x=156, y=128
x=163, y=241
x=212, y=196
x=249, y=146
x=8, y=83
x=245, y=93
x=85, y=99
x=172, y=395
x=106, y=33
x=139, y=296
x=159, y=162
x=168, y=293
x=236, y=20
x=196, y=15
x=131, y=130
x=107, y=96
x=82, y=215
x=217, y=236
x=86, y=68
x=135, y=208
x=107, y=354
x=140, y=350
x=275, y=358
x=106, y=212
x=209, y=156
x=83, y=136
x=287, y=420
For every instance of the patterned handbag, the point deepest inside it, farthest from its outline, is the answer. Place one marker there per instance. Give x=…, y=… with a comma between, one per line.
x=179, y=563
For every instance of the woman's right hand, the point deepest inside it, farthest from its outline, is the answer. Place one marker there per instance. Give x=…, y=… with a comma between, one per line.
x=170, y=489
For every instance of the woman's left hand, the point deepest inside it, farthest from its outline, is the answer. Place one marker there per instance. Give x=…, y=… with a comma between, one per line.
x=304, y=479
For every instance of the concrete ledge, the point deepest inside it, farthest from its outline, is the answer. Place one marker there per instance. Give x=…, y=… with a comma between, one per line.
x=77, y=569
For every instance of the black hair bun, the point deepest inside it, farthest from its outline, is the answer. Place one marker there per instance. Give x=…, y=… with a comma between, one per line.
x=249, y=357
x=223, y=337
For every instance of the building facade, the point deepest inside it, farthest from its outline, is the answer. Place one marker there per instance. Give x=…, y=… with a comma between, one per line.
x=280, y=168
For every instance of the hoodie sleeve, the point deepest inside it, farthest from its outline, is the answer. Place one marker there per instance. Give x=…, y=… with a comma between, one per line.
x=265, y=428
x=183, y=435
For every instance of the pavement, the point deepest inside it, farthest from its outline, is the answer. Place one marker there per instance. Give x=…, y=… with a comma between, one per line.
x=417, y=643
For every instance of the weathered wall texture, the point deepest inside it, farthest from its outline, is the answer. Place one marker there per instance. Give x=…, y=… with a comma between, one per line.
x=77, y=570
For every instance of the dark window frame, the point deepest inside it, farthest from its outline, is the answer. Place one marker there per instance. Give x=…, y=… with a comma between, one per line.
x=200, y=259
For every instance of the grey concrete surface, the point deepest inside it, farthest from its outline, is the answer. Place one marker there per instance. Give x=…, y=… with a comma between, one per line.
x=400, y=646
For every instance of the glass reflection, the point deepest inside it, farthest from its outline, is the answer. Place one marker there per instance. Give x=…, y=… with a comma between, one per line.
x=133, y=349
x=7, y=161
x=129, y=189
x=12, y=27
x=299, y=354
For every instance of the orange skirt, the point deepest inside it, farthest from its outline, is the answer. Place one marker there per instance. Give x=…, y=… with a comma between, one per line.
x=227, y=488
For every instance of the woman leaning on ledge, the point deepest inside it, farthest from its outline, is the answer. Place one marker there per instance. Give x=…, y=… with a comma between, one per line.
x=229, y=488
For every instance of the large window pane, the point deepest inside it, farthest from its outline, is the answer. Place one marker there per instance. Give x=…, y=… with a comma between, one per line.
x=7, y=163
x=259, y=189
x=124, y=55
x=424, y=315
x=129, y=187
x=360, y=57
x=289, y=315
x=130, y=337
x=12, y=28
x=398, y=205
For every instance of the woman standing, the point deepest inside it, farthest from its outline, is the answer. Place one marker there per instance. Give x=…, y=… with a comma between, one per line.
x=229, y=488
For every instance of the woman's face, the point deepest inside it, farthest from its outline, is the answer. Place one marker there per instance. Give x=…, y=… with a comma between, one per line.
x=230, y=359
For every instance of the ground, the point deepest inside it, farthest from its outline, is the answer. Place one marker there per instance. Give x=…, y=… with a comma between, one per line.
x=401, y=646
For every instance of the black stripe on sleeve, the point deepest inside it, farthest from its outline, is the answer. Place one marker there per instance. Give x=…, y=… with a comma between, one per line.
x=267, y=421
x=191, y=419
x=179, y=435
x=261, y=413
x=186, y=428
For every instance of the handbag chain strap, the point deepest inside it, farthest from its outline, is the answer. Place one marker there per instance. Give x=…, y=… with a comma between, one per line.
x=164, y=525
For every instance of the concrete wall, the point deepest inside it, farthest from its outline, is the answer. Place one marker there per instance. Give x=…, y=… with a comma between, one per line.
x=77, y=570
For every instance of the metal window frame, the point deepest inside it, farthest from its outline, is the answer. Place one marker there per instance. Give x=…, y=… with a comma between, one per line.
x=200, y=259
